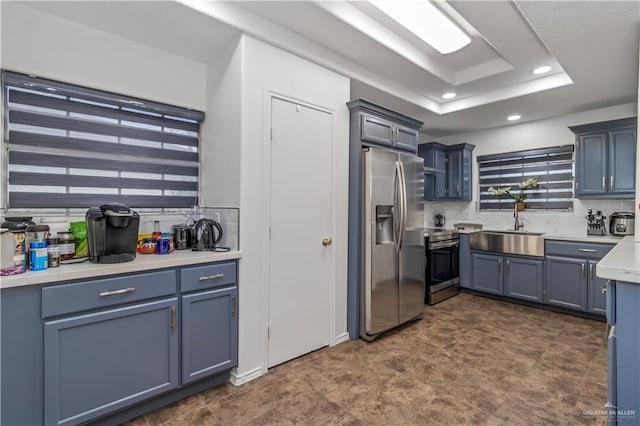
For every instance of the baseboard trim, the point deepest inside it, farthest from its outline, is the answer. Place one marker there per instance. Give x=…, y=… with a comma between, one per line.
x=240, y=379
x=341, y=338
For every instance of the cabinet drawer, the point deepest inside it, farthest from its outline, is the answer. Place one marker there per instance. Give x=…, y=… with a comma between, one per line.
x=208, y=276
x=576, y=249
x=86, y=295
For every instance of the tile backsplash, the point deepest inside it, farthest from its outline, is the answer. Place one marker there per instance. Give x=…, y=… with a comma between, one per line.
x=565, y=223
x=229, y=219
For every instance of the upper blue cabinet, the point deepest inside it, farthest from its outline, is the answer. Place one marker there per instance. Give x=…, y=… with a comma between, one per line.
x=449, y=177
x=606, y=159
x=381, y=126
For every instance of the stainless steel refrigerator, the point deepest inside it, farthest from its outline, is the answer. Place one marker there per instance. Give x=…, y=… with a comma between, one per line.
x=393, y=241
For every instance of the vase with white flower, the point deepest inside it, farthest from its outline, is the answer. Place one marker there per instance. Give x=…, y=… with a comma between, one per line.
x=517, y=197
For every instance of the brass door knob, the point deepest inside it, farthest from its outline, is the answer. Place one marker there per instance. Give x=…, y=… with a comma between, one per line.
x=326, y=242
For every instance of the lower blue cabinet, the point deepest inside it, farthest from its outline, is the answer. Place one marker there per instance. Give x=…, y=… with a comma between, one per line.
x=566, y=282
x=209, y=333
x=523, y=278
x=597, y=300
x=99, y=362
x=486, y=273
x=513, y=276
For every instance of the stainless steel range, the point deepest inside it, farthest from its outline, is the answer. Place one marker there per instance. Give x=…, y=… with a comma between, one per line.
x=442, y=274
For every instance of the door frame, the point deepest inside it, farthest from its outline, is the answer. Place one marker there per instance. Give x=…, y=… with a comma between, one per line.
x=268, y=97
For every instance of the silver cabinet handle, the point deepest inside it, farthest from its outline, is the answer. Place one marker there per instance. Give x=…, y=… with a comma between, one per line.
x=116, y=292
x=508, y=267
x=211, y=277
x=583, y=271
x=591, y=270
x=611, y=182
x=458, y=189
x=173, y=320
x=233, y=306
x=603, y=289
x=604, y=182
x=499, y=265
x=577, y=184
x=588, y=250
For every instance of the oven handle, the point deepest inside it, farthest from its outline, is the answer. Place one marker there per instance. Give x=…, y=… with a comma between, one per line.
x=435, y=246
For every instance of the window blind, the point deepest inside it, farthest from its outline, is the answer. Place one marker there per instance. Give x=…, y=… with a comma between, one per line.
x=69, y=146
x=552, y=166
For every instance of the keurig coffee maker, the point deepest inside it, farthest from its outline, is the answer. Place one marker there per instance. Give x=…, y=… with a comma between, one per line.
x=112, y=233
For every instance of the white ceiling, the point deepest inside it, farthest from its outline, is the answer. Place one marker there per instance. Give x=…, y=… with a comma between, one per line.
x=591, y=46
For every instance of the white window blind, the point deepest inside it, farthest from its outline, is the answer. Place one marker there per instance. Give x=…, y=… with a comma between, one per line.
x=552, y=166
x=69, y=146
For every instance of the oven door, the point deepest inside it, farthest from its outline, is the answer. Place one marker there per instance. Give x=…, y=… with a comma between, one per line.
x=444, y=262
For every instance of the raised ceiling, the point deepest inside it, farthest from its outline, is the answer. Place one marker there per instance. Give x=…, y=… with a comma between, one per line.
x=591, y=46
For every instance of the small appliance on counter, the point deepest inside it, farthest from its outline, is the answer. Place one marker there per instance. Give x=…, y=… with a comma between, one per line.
x=440, y=220
x=622, y=223
x=112, y=233
x=596, y=224
x=467, y=226
x=207, y=233
x=182, y=236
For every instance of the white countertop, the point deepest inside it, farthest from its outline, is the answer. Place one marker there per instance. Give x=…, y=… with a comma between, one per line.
x=622, y=263
x=143, y=262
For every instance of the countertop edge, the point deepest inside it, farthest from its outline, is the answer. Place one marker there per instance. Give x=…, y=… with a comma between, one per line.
x=97, y=270
x=622, y=263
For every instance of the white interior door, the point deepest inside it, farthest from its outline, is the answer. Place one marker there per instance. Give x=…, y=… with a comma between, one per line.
x=300, y=265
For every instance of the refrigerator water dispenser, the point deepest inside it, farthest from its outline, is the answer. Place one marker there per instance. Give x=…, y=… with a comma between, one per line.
x=384, y=224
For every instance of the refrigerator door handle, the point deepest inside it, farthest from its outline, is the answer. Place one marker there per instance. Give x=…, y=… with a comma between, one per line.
x=403, y=201
x=397, y=207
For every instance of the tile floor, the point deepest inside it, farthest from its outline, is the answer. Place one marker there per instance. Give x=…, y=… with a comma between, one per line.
x=471, y=360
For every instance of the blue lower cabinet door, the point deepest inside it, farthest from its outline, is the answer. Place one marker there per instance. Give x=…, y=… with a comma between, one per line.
x=524, y=278
x=99, y=362
x=487, y=273
x=566, y=283
x=209, y=333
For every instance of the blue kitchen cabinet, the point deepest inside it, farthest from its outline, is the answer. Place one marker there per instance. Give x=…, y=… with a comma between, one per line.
x=596, y=301
x=513, y=276
x=465, y=261
x=486, y=273
x=99, y=362
x=209, y=333
x=450, y=174
x=622, y=160
x=523, y=278
x=623, y=384
x=605, y=159
x=566, y=283
x=115, y=347
x=571, y=281
x=383, y=127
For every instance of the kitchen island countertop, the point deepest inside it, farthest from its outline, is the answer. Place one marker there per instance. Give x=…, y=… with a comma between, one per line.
x=96, y=270
x=622, y=263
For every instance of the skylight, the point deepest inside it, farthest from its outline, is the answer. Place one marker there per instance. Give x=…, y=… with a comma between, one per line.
x=425, y=21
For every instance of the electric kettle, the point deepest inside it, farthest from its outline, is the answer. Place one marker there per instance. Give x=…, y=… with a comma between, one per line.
x=206, y=234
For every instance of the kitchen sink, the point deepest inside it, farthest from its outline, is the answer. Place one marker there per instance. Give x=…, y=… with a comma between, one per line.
x=510, y=242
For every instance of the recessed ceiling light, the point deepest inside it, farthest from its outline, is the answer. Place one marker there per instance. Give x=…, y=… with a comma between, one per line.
x=449, y=95
x=427, y=22
x=542, y=70
x=514, y=117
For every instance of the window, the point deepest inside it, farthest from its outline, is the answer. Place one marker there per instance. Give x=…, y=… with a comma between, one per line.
x=552, y=166
x=68, y=146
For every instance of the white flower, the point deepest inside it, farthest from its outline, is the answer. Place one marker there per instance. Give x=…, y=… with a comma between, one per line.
x=499, y=191
x=528, y=183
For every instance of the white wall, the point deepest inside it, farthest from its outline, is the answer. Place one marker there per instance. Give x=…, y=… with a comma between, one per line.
x=220, y=132
x=536, y=134
x=267, y=69
x=48, y=46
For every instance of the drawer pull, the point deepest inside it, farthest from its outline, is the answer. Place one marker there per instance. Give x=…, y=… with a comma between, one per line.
x=116, y=292
x=211, y=277
x=588, y=250
x=173, y=320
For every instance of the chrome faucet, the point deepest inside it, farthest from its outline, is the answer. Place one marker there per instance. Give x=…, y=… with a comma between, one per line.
x=517, y=225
